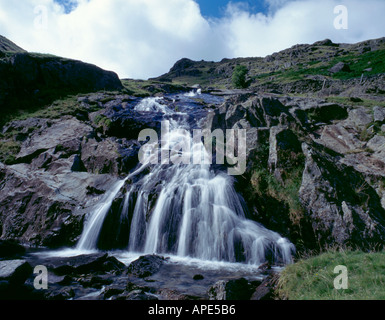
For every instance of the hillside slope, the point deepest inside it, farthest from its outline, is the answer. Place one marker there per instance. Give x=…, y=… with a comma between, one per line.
x=323, y=67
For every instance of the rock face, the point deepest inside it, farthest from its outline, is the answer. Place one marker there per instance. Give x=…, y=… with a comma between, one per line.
x=344, y=208
x=311, y=175
x=48, y=217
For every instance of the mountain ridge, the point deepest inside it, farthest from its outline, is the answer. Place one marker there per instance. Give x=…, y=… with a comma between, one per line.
x=288, y=66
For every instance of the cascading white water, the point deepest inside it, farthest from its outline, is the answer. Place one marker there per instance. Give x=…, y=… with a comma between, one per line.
x=90, y=234
x=197, y=213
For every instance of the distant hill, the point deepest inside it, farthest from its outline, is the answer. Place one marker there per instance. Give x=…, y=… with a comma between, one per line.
x=34, y=79
x=301, y=68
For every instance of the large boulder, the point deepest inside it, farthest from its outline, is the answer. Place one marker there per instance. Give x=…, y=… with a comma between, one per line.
x=146, y=266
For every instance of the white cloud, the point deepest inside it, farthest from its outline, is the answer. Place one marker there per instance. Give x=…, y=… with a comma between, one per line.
x=305, y=21
x=144, y=38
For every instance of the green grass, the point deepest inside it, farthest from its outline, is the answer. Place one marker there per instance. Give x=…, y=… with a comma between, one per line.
x=68, y=105
x=8, y=151
x=102, y=122
x=265, y=183
x=136, y=87
x=313, y=278
x=357, y=63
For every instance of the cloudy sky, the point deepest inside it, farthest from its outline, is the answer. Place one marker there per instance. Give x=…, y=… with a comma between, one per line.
x=144, y=38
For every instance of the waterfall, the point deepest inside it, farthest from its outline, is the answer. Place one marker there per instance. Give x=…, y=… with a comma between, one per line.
x=91, y=232
x=187, y=210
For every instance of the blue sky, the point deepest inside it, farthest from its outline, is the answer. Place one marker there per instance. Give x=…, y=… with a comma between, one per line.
x=209, y=8
x=216, y=8
x=144, y=38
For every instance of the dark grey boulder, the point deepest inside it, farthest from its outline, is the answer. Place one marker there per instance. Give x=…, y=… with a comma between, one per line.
x=146, y=266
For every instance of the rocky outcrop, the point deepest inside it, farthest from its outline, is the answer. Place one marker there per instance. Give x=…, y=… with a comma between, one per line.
x=44, y=78
x=343, y=207
x=46, y=207
x=311, y=175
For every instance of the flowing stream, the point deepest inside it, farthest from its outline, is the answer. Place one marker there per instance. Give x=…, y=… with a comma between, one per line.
x=185, y=210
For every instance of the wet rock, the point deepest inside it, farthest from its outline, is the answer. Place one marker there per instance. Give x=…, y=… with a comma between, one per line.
x=146, y=266
x=86, y=264
x=198, y=277
x=129, y=124
x=112, y=291
x=46, y=207
x=9, y=249
x=61, y=294
x=15, y=272
x=266, y=290
x=96, y=282
x=174, y=295
x=140, y=295
x=239, y=289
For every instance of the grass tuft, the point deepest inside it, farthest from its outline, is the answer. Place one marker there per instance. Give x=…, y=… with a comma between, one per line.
x=313, y=278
